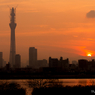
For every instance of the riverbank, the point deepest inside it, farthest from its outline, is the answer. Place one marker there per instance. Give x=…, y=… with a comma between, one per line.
x=47, y=76
x=64, y=90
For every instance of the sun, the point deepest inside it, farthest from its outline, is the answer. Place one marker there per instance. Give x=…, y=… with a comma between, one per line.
x=89, y=54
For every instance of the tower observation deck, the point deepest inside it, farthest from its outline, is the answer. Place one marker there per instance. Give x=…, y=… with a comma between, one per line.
x=12, y=25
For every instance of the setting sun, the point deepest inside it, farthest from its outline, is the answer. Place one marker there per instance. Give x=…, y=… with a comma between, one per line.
x=88, y=54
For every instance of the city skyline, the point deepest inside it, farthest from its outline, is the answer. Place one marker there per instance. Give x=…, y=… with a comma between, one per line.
x=50, y=26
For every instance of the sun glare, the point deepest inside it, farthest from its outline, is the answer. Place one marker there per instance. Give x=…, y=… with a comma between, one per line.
x=89, y=54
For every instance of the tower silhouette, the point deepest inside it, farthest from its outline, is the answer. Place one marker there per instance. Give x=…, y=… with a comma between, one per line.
x=12, y=25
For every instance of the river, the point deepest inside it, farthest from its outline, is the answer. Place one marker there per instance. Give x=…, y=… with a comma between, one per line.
x=29, y=84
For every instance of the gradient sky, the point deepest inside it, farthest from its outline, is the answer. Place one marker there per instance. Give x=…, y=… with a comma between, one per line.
x=55, y=27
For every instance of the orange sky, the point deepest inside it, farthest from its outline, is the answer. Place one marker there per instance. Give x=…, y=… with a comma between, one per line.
x=55, y=27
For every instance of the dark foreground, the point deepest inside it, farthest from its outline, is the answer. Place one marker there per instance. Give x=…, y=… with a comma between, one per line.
x=46, y=76
x=11, y=89
x=56, y=89
x=64, y=90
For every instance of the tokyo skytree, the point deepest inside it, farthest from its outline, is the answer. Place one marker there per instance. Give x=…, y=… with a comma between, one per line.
x=12, y=25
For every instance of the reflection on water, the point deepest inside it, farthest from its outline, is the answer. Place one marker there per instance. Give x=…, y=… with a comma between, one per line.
x=74, y=82
x=86, y=82
x=29, y=84
x=37, y=83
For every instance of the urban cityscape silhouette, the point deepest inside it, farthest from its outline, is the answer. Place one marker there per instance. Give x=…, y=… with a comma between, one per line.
x=47, y=47
x=40, y=68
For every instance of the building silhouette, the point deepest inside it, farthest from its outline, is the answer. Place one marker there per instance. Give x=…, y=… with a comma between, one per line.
x=53, y=62
x=1, y=59
x=82, y=63
x=64, y=64
x=4, y=63
x=7, y=66
x=12, y=25
x=17, y=61
x=91, y=64
x=42, y=63
x=32, y=57
x=75, y=62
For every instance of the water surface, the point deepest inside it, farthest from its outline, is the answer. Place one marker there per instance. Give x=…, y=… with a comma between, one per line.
x=29, y=84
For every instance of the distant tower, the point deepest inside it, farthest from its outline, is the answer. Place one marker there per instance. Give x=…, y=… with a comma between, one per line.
x=32, y=57
x=12, y=25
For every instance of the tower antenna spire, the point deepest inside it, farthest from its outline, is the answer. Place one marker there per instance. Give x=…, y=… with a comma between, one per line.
x=16, y=6
x=12, y=25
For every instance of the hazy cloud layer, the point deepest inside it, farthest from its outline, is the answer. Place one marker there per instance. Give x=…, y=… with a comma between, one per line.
x=91, y=14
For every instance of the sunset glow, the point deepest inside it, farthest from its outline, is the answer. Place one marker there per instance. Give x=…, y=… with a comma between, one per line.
x=89, y=54
x=50, y=26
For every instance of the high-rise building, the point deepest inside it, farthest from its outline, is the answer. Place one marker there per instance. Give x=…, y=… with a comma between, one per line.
x=32, y=57
x=1, y=59
x=12, y=43
x=17, y=61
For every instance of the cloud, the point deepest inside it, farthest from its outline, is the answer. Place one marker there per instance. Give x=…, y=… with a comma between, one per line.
x=91, y=14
